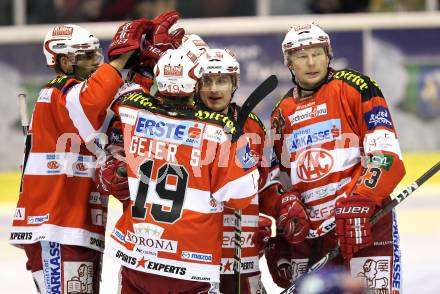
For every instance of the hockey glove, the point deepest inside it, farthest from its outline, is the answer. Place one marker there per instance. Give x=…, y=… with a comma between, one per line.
x=262, y=235
x=161, y=34
x=277, y=255
x=109, y=181
x=292, y=217
x=353, y=227
x=129, y=37
x=160, y=40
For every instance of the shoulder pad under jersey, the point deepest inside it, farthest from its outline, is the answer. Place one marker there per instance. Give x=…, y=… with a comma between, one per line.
x=255, y=118
x=129, y=87
x=140, y=100
x=287, y=95
x=58, y=82
x=366, y=86
x=220, y=119
x=252, y=116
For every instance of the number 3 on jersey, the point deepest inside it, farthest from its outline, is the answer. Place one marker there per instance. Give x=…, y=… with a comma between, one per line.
x=171, y=183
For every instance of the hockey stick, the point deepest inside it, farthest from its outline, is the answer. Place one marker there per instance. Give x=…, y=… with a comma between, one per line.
x=264, y=89
x=22, y=105
x=237, y=250
x=376, y=217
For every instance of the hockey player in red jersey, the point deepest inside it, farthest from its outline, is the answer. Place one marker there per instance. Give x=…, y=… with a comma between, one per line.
x=183, y=165
x=137, y=88
x=60, y=217
x=220, y=75
x=338, y=144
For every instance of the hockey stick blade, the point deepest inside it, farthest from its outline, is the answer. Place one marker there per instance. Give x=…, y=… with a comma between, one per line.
x=376, y=217
x=264, y=89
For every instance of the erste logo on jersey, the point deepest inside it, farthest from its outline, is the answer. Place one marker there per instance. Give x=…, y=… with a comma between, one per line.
x=308, y=113
x=378, y=117
x=314, y=164
x=319, y=133
x=169, y=130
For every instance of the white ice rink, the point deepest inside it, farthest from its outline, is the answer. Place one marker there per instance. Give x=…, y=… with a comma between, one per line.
x=419, y=219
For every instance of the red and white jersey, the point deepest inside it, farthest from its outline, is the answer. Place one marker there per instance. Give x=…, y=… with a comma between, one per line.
x=324, y=139
x=58, y=201
x=182, y=168
x=256, y=132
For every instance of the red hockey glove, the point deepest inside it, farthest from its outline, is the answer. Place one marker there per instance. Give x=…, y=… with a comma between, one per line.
x=262, y=235
x=160, y=40
x=150, y=54
x=353, y=227
x=109, y=181
x=128, y=37
x=161, y=34
x=292, y=219
x=277, y=255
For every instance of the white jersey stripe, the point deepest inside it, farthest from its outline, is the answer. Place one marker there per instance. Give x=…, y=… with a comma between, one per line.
x=248, y=265
x=247, y=220
x=324, y=191
x=54, y=233
x=77, y=114
x=195, y=199
x=71, y=164
x=163, y=266
x=229, y=191
x=342, y=158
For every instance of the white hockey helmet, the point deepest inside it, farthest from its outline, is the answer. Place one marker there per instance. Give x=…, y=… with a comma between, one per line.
x=219, y=61
x=195, y=44
x=69, y=40
x=174, y=73
x=304, y=36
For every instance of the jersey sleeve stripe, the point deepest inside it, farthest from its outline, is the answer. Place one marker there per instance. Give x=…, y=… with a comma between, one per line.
x=59, y=163
x=343, y=158
x=229, y=191
x=77, y=114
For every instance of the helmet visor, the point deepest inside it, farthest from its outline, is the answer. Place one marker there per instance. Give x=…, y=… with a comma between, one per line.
x=87, y=58
x=217, y=82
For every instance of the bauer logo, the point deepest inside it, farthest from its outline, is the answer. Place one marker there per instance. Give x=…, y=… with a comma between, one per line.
x=196, y=256
x=169, y=130
x=378, y=117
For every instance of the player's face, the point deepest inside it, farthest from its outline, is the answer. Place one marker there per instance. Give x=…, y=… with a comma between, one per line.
x=87, y=63
x=216, y=91
x=309, y=65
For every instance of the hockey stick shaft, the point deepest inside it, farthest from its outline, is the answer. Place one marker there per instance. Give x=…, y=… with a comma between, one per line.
x=264, y=89
x=376, y=217
x=237, y=250
x=22, y=105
